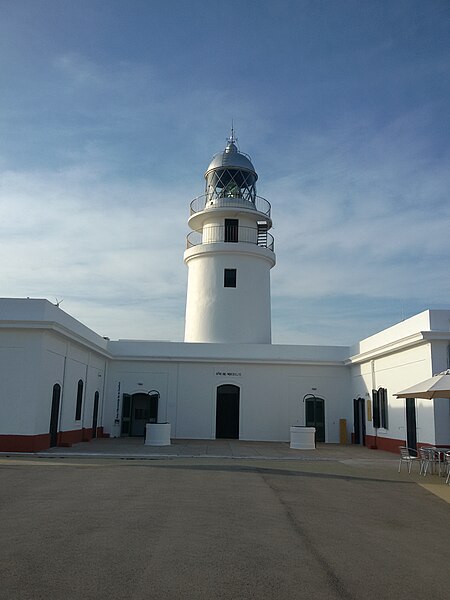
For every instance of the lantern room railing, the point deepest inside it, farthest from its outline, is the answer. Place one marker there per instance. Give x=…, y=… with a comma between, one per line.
x=212, y=234
x=205, y=202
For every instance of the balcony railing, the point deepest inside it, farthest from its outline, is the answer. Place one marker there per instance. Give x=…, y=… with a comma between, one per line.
x=206, y=203
x=212, y=234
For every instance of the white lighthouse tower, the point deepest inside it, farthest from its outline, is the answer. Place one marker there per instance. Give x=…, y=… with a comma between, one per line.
x=229, y=255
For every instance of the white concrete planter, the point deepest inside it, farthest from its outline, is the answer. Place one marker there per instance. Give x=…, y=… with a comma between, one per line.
x=303, y=438
x=157, y=434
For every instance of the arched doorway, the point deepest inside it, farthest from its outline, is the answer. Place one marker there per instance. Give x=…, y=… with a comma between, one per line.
x=315, y=415
x=359, y=421
x=138, y=410
x=95, y=415
x=227, y=412
x=54, y=415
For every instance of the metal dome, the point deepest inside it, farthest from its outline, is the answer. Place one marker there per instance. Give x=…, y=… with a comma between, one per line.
x=232, y=158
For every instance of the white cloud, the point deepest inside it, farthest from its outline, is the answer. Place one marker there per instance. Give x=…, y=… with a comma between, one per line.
x=364, y=221
x=351, y=222
x=360, y=207
x=69, y=241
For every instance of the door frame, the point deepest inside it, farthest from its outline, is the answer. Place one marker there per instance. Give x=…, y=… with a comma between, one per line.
x=320, y=399
x=236, y=398
x=127, y=420
x=359, y=421
x=95, y=414
x=55, y=411
x=411, y=423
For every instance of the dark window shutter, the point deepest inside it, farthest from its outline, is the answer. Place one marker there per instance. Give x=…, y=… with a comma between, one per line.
x=376, y=409
x=382, y=392
x=79, y=400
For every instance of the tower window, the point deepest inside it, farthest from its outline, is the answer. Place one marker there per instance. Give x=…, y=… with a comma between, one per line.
x=229, y=278
x=231, y=230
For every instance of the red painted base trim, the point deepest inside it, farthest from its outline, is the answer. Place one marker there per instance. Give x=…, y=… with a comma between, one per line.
x=390, y=444
x=24, y=443
x=384, y=443
x=87, y=434
x=36, y=443
x=67, y=438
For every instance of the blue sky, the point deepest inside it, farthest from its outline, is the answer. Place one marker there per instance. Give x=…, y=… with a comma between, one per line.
x=111, y=110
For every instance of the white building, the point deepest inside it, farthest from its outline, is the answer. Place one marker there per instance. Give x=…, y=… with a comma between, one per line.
x=61, y=383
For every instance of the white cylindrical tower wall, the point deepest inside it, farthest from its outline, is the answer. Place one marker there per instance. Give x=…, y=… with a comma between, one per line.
x=215, y=313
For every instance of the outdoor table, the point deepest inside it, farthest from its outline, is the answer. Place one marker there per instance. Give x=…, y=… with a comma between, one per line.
x=439, y=451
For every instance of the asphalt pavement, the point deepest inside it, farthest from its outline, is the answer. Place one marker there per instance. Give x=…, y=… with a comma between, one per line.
x=343, y=527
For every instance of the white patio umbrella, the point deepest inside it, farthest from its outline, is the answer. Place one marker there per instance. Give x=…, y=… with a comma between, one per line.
x=435, y=387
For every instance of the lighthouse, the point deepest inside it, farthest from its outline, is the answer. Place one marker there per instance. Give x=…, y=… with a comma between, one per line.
x=229, y=255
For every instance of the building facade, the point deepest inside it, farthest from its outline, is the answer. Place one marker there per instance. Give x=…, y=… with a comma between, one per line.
x=61, y=383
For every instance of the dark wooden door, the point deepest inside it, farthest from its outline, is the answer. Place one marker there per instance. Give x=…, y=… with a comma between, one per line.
x=144, y=410
x=411, y=429
x=227, y=412
x=95, y=415
x=315, y=416
x=54, y=415
x=359, y=421
x=137, y=411
x=126, y=415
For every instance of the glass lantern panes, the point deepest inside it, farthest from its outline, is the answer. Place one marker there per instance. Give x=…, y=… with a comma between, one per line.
x=231, y=183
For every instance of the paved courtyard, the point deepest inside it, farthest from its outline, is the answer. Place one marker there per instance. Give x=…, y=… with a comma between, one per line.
x=335, y=523
x=135, y=447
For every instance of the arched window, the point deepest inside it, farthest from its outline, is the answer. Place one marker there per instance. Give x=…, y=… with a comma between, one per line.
x=79, y=400
x=380, y=408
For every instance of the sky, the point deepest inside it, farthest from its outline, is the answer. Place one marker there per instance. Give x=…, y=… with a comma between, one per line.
x=111, y=110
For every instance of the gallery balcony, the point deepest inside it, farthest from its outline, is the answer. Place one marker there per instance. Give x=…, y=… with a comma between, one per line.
x=219, y=233
x=212, y=201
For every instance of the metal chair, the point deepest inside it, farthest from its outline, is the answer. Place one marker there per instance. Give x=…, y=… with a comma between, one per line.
x=434, y=458
x=424, y=456
x=408, y=456
x=447, y=462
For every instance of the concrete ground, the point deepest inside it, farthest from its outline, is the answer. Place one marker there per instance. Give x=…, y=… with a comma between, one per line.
x=135, y=447
x=335, y=523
